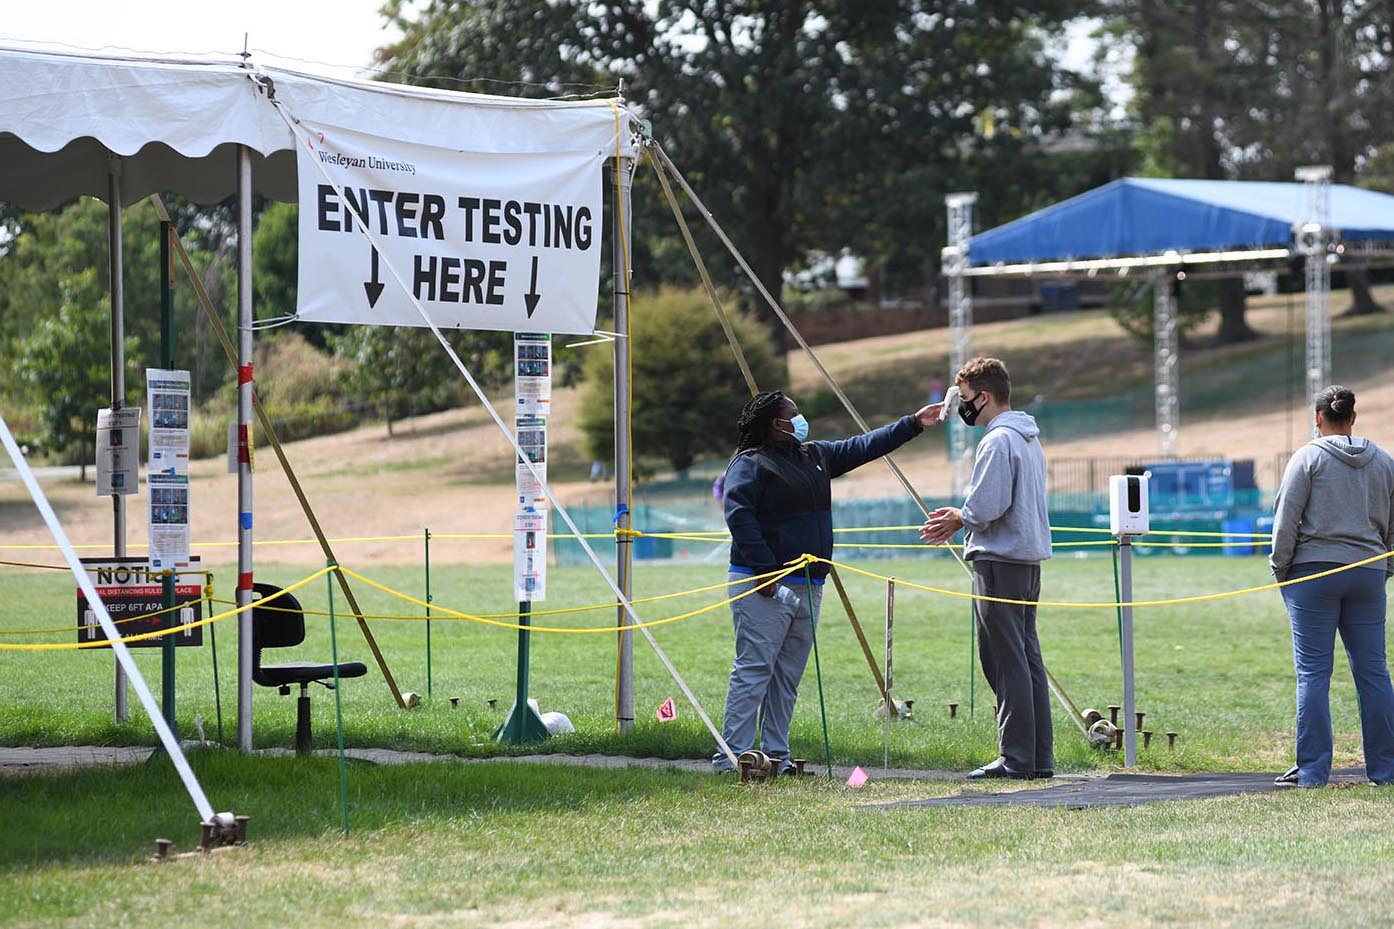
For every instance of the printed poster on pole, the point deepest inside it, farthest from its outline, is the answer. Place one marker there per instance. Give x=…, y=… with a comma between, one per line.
x=532, y=373
x=481, y=240
x=530, y=556
x=167, y=395
x=169, y=519
x=118, y=451
x=531, y=433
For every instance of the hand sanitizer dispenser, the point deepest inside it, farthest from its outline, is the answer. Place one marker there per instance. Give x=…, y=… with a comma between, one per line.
x=1127, y=504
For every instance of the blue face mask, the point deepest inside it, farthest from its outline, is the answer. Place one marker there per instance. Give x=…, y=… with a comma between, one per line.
x=800, y=427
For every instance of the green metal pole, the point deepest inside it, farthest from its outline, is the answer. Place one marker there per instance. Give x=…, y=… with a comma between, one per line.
x=338, y=698
x=523, y=724
x=428, y=612
x=818, y=671
x=171, y=616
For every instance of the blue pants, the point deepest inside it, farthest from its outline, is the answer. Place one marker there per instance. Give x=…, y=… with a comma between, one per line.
x=773, y=640
x=1351, y=603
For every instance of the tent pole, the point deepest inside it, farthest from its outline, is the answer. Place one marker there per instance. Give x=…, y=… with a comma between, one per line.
x=1165, y=360
x=955, y=263
x=1313, y=240
x=624, y=543
x=118, y=378
x=244, y=447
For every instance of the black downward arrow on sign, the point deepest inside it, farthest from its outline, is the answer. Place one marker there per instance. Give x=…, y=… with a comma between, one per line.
x=373, y=287
x=532, y=296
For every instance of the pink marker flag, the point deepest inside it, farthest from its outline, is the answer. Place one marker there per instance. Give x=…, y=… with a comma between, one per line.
x=667, y=712
x=858, y=778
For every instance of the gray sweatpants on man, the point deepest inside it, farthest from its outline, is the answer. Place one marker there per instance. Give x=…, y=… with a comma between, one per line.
x=773, y=640
x=1011, y=659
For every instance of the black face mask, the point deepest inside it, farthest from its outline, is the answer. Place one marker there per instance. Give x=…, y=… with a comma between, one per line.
x=968, y=412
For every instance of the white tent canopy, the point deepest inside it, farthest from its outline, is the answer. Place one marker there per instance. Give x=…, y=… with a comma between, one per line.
x=122, y=128
x=176, y=126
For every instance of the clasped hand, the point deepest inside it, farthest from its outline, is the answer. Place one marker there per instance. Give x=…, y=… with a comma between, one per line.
x=941, y=525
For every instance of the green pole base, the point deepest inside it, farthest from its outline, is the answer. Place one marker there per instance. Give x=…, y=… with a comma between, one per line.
x=523, y=725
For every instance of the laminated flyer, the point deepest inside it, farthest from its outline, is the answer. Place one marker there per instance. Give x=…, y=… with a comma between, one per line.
x=532, y=373
x=169, y=520
x=167, y=393
x=531, y=433
x=530, y=556
x=118, y=451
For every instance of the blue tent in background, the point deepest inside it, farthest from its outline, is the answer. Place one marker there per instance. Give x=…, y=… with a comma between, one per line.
x=1149, y=216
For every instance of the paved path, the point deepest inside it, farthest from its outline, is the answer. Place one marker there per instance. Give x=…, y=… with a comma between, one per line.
x=59, y=758
x=1072, y=791
x=1127, y=790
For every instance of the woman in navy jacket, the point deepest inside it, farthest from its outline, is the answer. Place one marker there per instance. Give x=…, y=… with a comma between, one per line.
x=779, y=506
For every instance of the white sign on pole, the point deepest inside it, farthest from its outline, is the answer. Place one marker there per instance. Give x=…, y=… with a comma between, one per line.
x=118, y=451
x=530, y=556
x=169, y=519
x=167, y=393
x=532, y=373
x=483, y=240
x=532, y=439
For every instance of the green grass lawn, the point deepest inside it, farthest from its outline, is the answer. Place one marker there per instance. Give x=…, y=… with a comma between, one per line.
x=526, y=845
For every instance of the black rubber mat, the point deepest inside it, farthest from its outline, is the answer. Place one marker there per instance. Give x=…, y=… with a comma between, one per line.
x=1125, y=790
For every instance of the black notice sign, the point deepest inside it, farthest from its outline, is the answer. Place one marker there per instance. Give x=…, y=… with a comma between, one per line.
x=130, y=592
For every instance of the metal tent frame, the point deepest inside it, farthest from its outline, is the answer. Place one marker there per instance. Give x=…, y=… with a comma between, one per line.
x=1315, y=240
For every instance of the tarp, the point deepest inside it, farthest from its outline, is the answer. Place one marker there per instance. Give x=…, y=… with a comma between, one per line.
x=1147, y=216
x=176, y=125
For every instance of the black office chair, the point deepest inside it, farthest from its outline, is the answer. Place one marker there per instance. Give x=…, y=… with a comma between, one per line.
x=281, y=624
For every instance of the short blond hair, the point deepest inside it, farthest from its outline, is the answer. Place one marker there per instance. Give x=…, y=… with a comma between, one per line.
x=988, y=374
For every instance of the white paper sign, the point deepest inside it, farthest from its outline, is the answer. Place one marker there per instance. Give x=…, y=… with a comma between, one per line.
x=169, y=519
x=531, y=433
x=530, y=556
x=483, y=240
x=167, y=393
x=532, y=373
x=118, y=451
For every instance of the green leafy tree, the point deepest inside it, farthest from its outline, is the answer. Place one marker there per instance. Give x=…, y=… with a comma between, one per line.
x=806, y=125
x=1250, y=90
x=64, y=368
x=687, y=387
x=404, y=371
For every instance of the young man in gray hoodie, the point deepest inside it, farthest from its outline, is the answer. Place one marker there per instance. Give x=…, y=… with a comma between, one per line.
x=1004, y=511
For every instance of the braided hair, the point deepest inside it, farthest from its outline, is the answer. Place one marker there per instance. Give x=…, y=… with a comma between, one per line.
x=1336, y=404
x=755, y=420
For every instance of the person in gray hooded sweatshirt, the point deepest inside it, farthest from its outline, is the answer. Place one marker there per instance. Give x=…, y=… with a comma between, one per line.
x=1335, y=508
x=1004, y=511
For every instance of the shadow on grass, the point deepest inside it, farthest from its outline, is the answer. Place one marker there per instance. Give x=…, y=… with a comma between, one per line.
x=113, y=815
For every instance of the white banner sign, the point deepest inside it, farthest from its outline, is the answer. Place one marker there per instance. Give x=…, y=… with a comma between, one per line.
x=530, y=556
x=484, y=241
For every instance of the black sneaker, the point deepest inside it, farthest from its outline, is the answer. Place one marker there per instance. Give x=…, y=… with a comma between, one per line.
x=1288, y=778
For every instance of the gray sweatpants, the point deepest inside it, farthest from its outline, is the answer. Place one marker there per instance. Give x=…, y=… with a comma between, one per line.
x=1011, y=659
x=773, y=640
